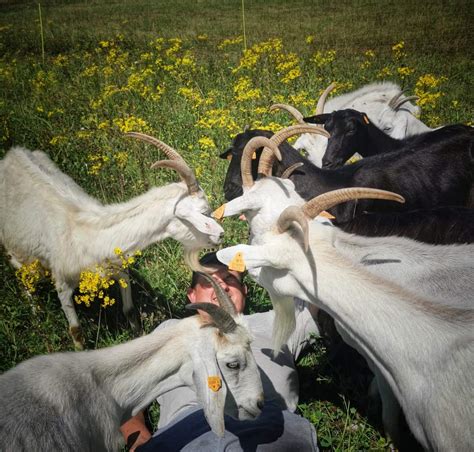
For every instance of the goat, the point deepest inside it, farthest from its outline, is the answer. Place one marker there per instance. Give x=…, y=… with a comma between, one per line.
x=393, y=258
x=384, y=103
x=352, y=131
x=421, y=345
x=45, y=215
x=438, y=174
x=77, y=401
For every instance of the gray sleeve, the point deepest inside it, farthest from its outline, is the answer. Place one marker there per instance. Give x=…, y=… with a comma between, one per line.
x=305, y=329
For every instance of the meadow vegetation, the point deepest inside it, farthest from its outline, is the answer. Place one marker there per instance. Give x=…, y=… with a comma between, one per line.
x=75, y=81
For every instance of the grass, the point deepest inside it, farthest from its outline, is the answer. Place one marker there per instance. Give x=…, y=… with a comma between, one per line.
x=178, y=72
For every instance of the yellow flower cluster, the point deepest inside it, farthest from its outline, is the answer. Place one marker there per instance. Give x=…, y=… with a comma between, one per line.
x=323, y=58
x=244, y=91
x=191, y=95
x=94, y=283
x=97, y=161
x=425, y=90
x=310, y=39
x=405, y=71
x=218, y=118
x=31, y=274
x=384, y=72
x=229, y=42
x=132, y=124
x=206, y=143
x=397, y=50
x=288, y=66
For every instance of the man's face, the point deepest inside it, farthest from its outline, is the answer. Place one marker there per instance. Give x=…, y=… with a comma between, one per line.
x=229, y=280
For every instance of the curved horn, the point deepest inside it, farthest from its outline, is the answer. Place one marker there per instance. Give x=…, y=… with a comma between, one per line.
x=322, y=99
x=294, y=214
x=168, y=150
x=191, y=259
x=246, y=161
x=289, y=171
x=327, y=200
x=222, y=297
x=222, y=319
x=267, y=157
x=186, y=173
x=393, y=101
x=402, y=101
x=290, y=109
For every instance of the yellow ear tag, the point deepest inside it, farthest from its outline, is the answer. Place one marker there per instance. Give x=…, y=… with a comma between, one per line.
x=214, y=383
x=218, y=214
x=237, y=263
x=254, y=156
x=366, y=119
x=229, y=157
x=327, y=215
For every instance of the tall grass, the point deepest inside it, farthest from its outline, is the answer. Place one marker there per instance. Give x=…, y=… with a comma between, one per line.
x=178, y=71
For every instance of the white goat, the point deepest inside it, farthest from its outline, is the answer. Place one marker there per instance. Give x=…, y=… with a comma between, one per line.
x=382, y=102
x=45, y=215
x=77, y=401
x=438, y=272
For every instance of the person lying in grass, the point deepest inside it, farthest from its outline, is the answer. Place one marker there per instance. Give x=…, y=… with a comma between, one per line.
x=182, y=425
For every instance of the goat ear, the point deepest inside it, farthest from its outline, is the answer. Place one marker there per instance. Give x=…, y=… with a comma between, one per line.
x=201, y=222
x=240, y=205
x=226, y=155
x=317, y=119
x=253, y=256
x=210, y=386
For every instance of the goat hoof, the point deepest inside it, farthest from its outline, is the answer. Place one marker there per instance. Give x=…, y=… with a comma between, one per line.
x=77, y=337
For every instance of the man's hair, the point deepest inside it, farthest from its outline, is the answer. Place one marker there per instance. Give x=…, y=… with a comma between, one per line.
x=207, y=259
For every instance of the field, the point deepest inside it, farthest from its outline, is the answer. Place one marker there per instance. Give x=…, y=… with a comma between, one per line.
x=75, y=76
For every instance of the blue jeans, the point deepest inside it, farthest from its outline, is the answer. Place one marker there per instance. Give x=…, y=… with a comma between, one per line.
x=274, y=430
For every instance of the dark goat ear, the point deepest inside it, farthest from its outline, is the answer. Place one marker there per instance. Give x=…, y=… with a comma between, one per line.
x=317, y=119
x=226, y=155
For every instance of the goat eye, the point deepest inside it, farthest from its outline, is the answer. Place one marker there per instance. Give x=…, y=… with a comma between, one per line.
x=234, y=365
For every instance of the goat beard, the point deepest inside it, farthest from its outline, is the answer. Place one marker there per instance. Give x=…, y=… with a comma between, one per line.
x=191, y=257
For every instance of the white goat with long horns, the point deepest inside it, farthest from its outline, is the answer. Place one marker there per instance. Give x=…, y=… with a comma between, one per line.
x=77, y=401
x=421, y=347
x=45, y=215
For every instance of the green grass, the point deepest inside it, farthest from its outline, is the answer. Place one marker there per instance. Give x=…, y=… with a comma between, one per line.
x=102, y=67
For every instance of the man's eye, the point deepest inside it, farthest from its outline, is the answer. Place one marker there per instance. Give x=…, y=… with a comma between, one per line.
x=234, y=365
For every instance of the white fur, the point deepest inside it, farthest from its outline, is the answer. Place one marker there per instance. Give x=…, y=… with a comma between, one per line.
x=77, y=401
x=373, y=100
x=414, y=275
x=45, y=215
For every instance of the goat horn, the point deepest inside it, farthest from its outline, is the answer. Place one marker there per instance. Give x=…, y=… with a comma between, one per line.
x=246, y=161
x=327, y=200
x=168, y=150
x=289, y=171
x=267, y=157
x=290, y=109
x=186, y=173
x=222, y=319
x=222, y=297
x=191, y=259
x=402, y=101
x=288, y=216
x=393, y=101
x=322, y=99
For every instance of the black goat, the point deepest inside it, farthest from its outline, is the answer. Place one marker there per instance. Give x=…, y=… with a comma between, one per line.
x=440, y=174
x=438, y=226
x=351, y=132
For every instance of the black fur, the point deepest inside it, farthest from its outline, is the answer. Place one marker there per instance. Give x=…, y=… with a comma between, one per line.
x=434, y=175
